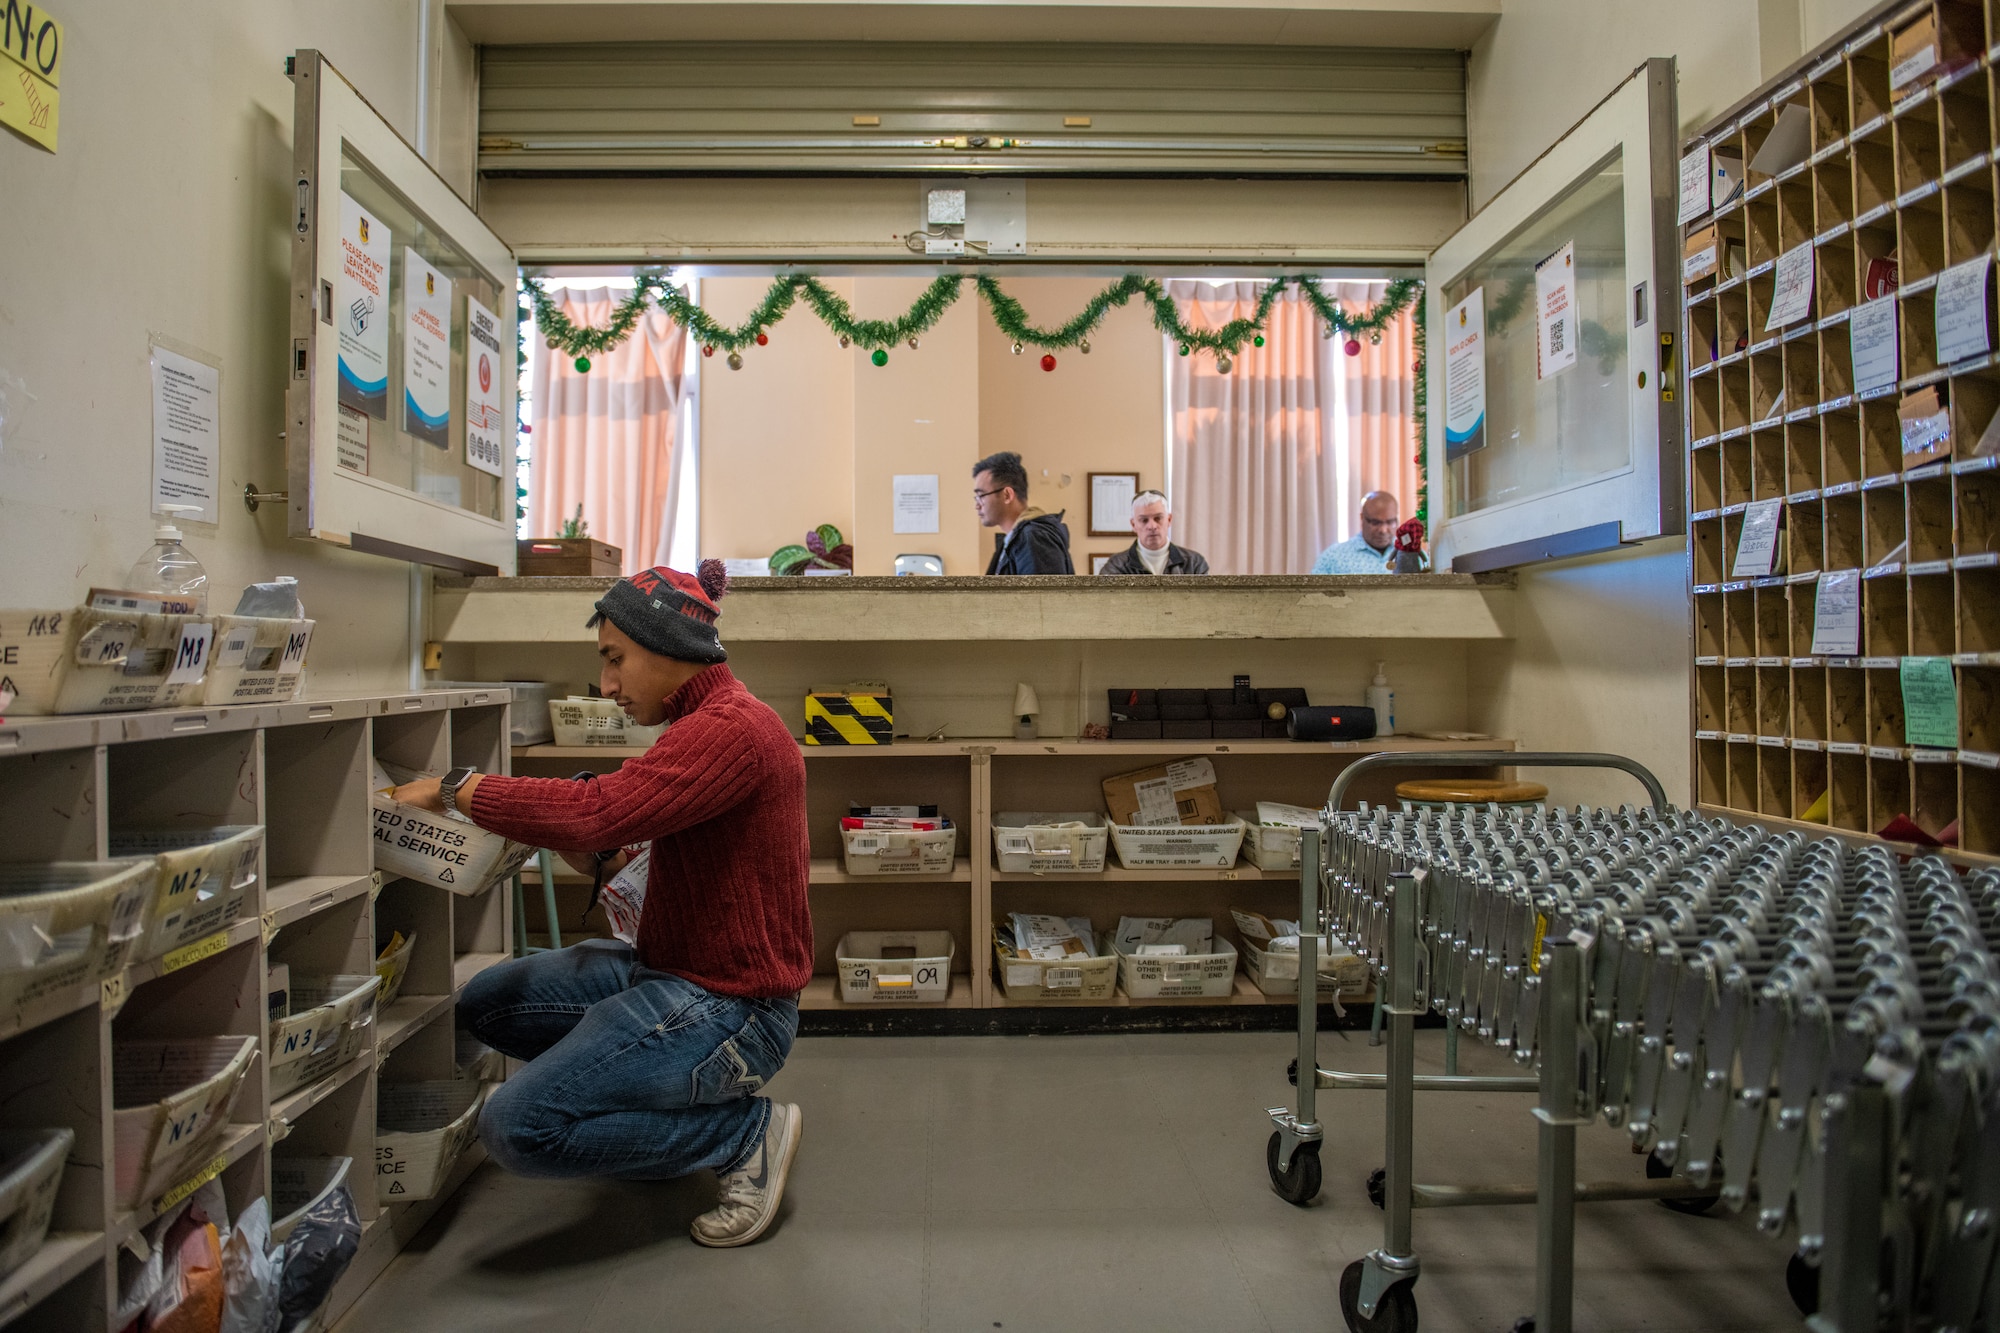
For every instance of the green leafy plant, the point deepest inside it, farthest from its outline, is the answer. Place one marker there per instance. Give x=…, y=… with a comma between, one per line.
x=822, y=549
x=575, y=526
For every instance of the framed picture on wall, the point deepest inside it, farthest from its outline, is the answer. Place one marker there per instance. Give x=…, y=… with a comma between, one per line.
x=1099, y=559
x=1111, y=502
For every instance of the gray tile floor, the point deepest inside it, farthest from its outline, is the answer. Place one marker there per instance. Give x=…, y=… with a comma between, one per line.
x=1100, y=1182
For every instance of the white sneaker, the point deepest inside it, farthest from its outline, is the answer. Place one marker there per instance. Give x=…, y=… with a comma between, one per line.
x=750, y=1194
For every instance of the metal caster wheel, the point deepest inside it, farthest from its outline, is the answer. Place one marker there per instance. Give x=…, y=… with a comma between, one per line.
x=1694, y=1205
x=1395, y=1313
x=1378, y=1185
x=1802, y=1281
x=1300, y=1184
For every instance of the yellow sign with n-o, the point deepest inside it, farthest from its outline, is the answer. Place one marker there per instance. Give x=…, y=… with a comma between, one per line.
x=32, y=41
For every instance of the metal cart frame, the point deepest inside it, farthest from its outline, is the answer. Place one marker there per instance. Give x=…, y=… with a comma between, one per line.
x=1376, y=1291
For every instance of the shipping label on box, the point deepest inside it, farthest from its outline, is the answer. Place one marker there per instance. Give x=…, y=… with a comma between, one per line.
x=1182, y=792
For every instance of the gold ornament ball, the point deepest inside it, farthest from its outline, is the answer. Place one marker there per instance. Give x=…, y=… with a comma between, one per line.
x=913, y=344
x=844, y=342
x=1017, y=349
x=1375, y=339
x=736, y=360
x=1224, y=364
x=554, y=345
x=1084, y=347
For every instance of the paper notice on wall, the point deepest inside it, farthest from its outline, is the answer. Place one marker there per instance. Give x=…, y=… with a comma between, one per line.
x=1757, y=548
x=915, y=500
x=485, y=430
x=1555, y=304
x=1465, y=376
x=361, y=310
x=1963, y=329
x=1791, y=298
x=350, y=441
x=187, y=432
x=1930, y=702
x=1837, y=614
x=426, y=351
x=1694, y=185
x=1871, y=332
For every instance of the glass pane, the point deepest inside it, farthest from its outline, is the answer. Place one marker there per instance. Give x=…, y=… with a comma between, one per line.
x=1570, y=427
x=403, y=335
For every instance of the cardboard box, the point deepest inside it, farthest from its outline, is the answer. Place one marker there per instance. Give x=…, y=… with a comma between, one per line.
x=89, y=661
x=1202, y=976
x=596, y=722
x=546, y=557
x=331, y=1021
x=1178, y=846
x=420, y=1130
x=921, y=977
x=850, y=717
x=1032, y=842
x=1913, y=57
x=171, y=1103
x=1182, y=792
x=1343, y=977
x=1053, y=981
x=885, y=851
x=434, y=849
x=257, y=659
x=1701, y=255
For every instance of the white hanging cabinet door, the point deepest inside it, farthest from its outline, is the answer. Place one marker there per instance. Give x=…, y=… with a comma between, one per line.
x=1561, y=297
x=399, y=409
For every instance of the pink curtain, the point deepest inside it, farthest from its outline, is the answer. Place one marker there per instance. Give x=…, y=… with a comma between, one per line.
x=1270, y=462
x=605, y=438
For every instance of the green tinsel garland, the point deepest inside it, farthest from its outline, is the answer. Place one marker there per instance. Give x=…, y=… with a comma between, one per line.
x=562, y=335
x=1420, y=318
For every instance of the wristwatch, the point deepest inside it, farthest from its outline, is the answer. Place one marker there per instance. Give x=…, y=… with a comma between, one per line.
x=448, y=787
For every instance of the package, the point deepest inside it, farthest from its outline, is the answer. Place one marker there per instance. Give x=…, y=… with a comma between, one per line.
x=528, y=720
x=434, y=849
x=1913, y=57
x=67, y=924
x=1726, y=181
x=420, y=1130
x=322, y=1244
x=170, y=1105
x=31, y=1171
x=597, y=724
x=276, y=600
x=191, y=1298
x=1925, y=419
x=201, y=877
x=257, y=660
x=1206, y=975
x=1052, y=980
x=1052, y=938
x=623, y=898
x=1188, y=934
x=1701, y=255
x=1210, y=845
x=886, y=849
x=1063, y=841
x=392, y=964
x=250, y=1270
x=895, y=967
x=1182, y=792
x=850, y=717
x=1271, y=959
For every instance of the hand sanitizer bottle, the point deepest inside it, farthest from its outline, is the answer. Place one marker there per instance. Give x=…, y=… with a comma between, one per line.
x=1383, y=700
x=169, y=569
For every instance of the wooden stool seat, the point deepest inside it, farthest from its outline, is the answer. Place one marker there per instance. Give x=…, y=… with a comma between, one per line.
x=1470, y=791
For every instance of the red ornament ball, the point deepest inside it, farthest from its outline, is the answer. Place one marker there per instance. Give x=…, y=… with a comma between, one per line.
x=1048, y=360
x=526, y=429
x=1354, y=347
x=708, y=349
x=763, y=339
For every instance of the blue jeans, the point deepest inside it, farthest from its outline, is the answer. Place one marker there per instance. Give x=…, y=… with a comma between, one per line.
x=631, y=1073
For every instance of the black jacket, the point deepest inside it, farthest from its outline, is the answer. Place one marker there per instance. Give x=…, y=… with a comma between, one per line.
x=1040, y=545
x=1180, y=560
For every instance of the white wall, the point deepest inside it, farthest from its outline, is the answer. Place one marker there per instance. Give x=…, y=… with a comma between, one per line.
x=165, y=211
x=1600, y=660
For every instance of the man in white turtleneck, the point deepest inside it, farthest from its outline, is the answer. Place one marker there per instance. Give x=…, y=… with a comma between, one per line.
x=1154, y=551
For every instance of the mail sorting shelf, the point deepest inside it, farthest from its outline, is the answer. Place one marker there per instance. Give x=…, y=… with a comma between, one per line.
x=301, y=770
x=1812, y=1025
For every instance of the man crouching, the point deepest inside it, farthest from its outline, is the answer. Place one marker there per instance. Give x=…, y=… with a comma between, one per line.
x=644, y=1060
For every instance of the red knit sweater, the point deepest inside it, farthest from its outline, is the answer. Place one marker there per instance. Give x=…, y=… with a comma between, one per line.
x=722, y=798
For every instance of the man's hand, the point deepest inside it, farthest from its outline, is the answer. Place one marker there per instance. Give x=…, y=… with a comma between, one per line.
x=423, y=793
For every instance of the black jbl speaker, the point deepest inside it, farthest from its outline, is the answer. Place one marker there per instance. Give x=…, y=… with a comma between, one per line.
x=1334, y=722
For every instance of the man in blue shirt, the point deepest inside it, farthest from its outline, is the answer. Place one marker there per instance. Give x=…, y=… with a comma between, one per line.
x=1368, y=551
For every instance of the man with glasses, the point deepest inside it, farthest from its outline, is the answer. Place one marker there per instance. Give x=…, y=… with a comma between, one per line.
x=1370, y=549
x=1030, y=541
x=1154, y=552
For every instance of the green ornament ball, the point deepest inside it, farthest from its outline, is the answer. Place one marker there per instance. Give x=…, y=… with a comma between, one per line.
x=879, y=357
x=583, y=365
x=1185, y=349
x=1257, y=341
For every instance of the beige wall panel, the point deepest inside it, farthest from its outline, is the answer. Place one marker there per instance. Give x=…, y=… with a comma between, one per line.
x=917, y=414
x=166, y=211
x=777, y=437
x=1102, y=221
x=1094, y=413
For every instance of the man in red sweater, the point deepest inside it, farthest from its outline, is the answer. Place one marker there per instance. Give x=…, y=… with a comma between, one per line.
x=644, y=1060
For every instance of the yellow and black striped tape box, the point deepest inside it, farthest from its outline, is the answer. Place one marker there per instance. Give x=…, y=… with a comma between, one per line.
x=850, y=718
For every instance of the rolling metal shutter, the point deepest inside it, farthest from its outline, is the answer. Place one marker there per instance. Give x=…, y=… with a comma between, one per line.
x=934, y=108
